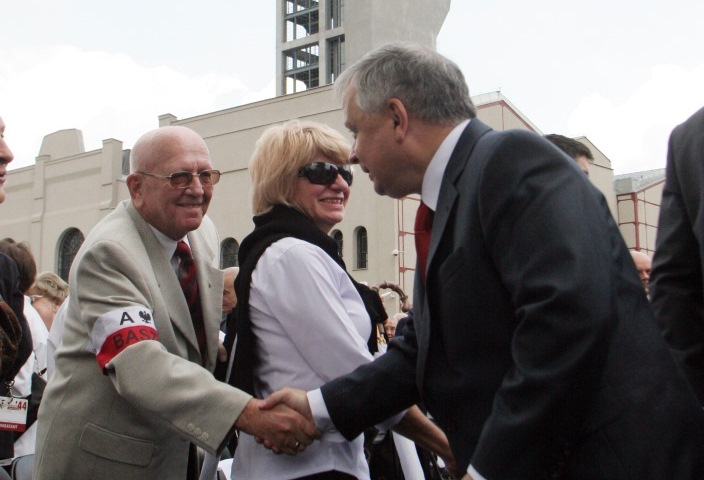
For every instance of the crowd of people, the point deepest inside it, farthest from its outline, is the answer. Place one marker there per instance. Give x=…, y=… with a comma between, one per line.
x=531, y=350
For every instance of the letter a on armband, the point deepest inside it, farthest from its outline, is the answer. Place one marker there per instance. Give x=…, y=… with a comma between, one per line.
x=117, y=329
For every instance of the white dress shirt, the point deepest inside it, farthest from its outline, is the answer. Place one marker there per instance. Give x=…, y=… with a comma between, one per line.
x=37, y=362
x=310, y=326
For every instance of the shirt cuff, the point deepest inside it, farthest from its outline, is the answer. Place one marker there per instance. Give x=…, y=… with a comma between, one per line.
x=474, y=474
x=321, y=416
x=322, y=419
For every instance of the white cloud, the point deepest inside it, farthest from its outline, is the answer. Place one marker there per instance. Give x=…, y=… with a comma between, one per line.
x=105, y=95
x=633, y=131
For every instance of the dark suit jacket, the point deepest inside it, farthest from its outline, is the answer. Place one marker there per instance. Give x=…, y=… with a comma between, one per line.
x=533, y=346
x=676, y=284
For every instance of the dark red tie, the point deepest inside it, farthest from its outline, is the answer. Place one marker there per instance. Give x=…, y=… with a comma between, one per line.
x=424, y=223
x=189, y=284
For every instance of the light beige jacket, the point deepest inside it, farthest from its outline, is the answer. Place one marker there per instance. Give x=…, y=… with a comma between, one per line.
x=135, y=421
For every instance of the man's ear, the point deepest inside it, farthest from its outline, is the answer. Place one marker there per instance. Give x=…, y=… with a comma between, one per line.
x=399, y=115
x=135, y=185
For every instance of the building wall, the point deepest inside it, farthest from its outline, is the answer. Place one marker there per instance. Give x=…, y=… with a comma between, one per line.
x=638, y=215
x=77, y=190
x=57, y=194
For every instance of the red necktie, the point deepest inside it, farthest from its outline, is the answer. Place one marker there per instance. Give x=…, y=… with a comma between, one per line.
x=187, y=278
x=424, y=223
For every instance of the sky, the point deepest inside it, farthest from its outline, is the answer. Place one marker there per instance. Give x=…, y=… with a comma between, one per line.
x=623, y=73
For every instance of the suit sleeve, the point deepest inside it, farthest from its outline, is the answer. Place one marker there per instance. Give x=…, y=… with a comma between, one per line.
x=374, y=392
x=144, y=373
x=540, y=219
x=676, y=285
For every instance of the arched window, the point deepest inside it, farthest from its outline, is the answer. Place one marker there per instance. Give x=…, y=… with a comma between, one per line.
x=361, y=237
x=229, y=248
x=69, y=243
x=337, y=236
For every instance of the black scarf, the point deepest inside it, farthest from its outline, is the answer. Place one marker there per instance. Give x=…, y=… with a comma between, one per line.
x=282, y=222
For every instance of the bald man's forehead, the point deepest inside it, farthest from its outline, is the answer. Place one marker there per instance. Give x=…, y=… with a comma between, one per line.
x=157, y=146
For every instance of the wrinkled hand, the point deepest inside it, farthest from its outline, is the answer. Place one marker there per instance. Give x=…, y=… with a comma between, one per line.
x=282, y=429
x=292, y=398
x=296, y=399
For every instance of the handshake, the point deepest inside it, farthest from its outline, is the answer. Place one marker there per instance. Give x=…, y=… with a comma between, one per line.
x=282, y=422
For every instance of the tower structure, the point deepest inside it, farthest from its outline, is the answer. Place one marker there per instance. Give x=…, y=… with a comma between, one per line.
x=316, y=38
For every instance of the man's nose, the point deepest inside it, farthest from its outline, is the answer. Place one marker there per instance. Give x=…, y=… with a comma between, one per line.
x=196, y=186
x=353, y=153
x=6, y=155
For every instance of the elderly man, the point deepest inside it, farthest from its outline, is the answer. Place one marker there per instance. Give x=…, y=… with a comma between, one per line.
x=531, y=342
x=132, y=396
x=229, y=297
x=642, y=262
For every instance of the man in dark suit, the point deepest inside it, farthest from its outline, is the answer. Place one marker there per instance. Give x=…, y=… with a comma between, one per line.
x=531, y=342
x=678, y=265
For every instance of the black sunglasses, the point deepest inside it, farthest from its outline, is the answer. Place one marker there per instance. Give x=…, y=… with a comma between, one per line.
x=323, y=173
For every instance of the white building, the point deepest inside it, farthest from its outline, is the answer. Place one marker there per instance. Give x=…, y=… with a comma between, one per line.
x=57, y=201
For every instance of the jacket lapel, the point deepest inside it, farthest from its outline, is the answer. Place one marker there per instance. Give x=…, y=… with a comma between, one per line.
x=210, y=286
x=446, y=201
x=448, y=192
x=175, y=302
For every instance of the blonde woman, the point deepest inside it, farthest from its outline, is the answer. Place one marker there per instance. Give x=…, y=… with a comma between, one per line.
x=302, y=320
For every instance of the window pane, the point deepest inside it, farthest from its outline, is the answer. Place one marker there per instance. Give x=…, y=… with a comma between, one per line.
x=229, y=248
x=69, y=244
x=337, y=236
x=361, y=247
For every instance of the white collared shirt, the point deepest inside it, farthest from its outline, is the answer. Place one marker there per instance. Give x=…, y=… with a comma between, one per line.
x=169, y=246
x=310, y=326
x=436, y=168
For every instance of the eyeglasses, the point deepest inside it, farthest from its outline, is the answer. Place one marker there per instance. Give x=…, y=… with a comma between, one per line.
x=323, y=173
x=184, y=179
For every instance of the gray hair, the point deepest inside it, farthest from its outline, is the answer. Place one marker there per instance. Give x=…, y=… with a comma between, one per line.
x=430, y=85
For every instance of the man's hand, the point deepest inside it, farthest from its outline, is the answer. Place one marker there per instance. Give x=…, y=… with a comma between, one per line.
x=296, y=399
x=282, y=429
x=292, y=398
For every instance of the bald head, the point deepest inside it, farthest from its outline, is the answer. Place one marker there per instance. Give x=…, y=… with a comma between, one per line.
x=643, y=264
x=162, y=143
x=229, y=298
x=155, y=156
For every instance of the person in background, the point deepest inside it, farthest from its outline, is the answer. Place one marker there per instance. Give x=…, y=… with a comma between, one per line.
x=677, y=286
x=302, y=319
x=15, y=335
x=390, y=325
x=578, y=151
x=132, y=395
x=229, y=297
x=48, y=293
x=30, y=381
x=643, y=264
x=530, y=341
